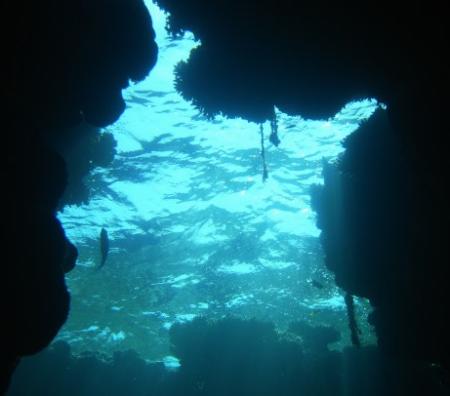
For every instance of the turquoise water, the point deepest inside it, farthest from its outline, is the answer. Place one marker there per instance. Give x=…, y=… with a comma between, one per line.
x=194, y=231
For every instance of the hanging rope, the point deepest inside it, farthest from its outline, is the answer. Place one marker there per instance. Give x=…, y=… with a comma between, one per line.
x=352, y=320
x=274, y=139
x=265, y=174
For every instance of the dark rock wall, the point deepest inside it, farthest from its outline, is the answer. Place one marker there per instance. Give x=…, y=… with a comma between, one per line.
x=63, y=62
x=308, y=58
x=384, y=225
x=385, y=219
x=231, y=357
x=83, y=148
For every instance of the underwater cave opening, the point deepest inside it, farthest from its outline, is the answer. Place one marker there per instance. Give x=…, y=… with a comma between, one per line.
x=193, y=230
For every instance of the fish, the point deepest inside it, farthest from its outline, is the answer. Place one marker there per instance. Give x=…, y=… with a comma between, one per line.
x=316, y=284
x=104, y=247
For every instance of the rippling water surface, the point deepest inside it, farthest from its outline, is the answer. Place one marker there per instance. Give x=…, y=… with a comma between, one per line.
x=193, y=229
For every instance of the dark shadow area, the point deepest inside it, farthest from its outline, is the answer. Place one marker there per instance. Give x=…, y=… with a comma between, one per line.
x=83, y=148
x=231, y=357
x=308, y=58
x=383, y=226
x=63, y=63
x=383, y=210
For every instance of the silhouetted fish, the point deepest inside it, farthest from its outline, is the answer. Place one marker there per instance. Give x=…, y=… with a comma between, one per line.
x=104, y=247
x=316, y=284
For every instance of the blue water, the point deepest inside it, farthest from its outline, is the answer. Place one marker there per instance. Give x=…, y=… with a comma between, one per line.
x=193, y=228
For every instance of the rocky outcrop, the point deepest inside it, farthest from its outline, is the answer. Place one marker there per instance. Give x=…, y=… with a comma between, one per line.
x=387, y=240
x=63, y=63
